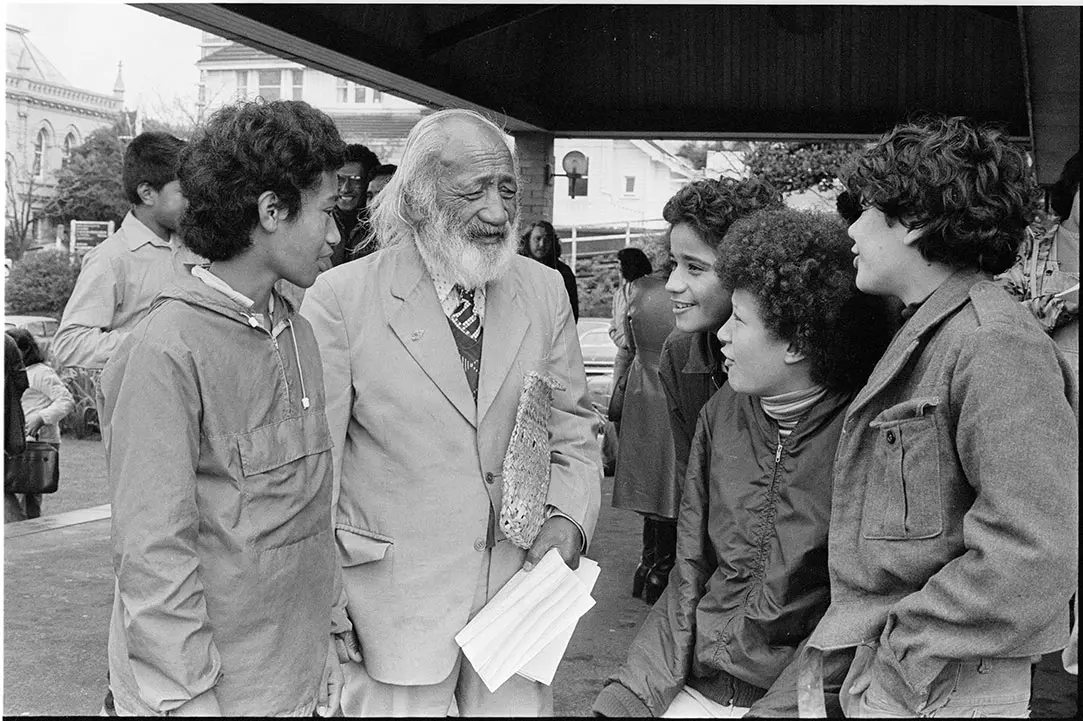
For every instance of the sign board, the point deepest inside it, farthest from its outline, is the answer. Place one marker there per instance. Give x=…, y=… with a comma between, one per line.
x=85, y=234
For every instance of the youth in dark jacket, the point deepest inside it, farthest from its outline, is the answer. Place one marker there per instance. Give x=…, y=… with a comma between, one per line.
x=540, y=243
x=751, y=579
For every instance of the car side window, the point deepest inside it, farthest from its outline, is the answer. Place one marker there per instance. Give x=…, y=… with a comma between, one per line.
x=50, y=327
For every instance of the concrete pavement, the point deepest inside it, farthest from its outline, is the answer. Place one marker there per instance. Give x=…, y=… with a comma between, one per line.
x=58, y=591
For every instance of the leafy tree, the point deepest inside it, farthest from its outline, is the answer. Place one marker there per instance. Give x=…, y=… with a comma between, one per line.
x=20, y=185
x=41, y=282
x=795, y=167
x=89, y=187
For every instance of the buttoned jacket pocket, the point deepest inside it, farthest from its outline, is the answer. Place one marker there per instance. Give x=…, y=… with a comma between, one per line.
x=285, y=487
x=902, y=494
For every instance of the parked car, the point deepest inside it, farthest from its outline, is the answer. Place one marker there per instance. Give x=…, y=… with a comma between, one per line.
x=42, y=327
x=599, y=354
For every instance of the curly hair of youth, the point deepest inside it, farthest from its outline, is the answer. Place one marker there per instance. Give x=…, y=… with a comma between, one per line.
x=246, y=149
x=711, y=206
x=961, y=182
x=799, y=267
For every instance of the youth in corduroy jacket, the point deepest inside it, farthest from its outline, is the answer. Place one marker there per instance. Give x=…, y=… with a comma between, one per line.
x=750, y=581
x=954, y=527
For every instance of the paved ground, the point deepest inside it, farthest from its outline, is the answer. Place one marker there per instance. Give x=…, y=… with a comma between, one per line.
x=58, y=590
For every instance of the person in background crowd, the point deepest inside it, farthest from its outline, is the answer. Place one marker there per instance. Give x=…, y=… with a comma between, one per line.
x=799, y=342
x=45, y=403
x=1045, y=278
x=378, y=179
x=423, y=388
x=634, y=264
x=15, y=384
x=227, y=596
x=540, y=242
x=953, y=545
x=691, y=367
x=351, y=208
x=644, y=481
x=121, y=276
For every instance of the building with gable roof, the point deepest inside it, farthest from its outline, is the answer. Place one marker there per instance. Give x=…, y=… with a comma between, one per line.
x=46, y=117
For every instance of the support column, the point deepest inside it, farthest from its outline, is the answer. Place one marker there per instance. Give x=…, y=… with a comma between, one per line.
x=535, y=152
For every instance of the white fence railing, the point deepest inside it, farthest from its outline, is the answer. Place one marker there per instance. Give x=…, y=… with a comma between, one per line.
x=588, y=245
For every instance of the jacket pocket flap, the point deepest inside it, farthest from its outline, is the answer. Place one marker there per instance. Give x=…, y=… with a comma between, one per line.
x=907, y=410
x=277, y=444
x=357, y=545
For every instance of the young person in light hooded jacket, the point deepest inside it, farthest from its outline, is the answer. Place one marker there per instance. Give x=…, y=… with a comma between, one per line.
x=227, y=585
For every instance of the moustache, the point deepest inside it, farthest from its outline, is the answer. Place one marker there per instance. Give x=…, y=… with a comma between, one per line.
x=481, y=229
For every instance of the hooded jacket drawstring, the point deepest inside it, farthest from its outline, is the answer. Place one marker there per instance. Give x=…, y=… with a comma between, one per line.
x=300, y=371
x=305, y=403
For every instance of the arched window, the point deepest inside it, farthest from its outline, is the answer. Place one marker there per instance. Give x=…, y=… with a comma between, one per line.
x=41, y=152
x=69, y=143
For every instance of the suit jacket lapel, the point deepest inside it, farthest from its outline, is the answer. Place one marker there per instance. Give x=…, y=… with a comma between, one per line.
x=506, y=323
x=421, y=326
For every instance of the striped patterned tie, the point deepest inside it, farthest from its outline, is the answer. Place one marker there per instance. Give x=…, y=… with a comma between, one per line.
x=465, y=315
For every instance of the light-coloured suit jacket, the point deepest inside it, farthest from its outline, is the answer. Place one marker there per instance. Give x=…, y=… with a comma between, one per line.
x=417, y=464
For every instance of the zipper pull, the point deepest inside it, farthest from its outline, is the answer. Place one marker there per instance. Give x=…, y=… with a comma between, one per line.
x=778, y=452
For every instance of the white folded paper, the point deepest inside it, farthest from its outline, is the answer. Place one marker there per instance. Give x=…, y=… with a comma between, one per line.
x=534, y=613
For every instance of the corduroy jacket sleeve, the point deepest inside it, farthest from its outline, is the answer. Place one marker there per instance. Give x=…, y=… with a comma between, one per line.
x=1014, y=412
x=660, y=659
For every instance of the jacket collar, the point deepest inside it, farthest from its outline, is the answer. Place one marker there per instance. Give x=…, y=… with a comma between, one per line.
x=138, y=234
x=701, y=356
x=952, y=294
x=809, y=425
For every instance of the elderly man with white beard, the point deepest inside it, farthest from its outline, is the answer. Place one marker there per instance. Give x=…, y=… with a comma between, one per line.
x=425, y=346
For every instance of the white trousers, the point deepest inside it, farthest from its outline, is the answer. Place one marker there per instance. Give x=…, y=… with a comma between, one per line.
x=461, y=693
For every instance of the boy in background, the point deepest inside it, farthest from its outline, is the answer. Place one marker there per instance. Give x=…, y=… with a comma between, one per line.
x=121, y=276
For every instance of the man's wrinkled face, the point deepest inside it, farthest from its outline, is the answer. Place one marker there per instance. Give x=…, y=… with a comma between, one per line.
x=351, y=186
x=474, y=233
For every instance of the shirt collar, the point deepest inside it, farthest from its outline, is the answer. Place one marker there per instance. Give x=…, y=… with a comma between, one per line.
x=138, y=234
x=240, y=299
x=448, y=295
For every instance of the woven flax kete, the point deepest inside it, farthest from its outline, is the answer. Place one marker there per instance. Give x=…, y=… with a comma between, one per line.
x=526, y=463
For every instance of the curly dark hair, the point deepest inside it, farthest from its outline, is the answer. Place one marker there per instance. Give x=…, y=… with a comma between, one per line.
x=358, y=153
x=151, y=158
x=1062, y=194
x=711, y=206
x=799, y=267
x=962, y=182
x=243, y=150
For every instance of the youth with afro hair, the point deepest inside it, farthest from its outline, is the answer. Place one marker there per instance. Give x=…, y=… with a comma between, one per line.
x=750, y=580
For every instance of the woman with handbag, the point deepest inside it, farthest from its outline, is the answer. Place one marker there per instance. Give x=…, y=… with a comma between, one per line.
x=644, y=481
x=45, y=403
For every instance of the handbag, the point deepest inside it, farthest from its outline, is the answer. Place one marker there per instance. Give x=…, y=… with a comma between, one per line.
x=35, y=470
x=526, y=462
x=616, y=398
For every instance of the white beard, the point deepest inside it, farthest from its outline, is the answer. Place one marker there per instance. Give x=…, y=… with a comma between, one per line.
x=447, y=249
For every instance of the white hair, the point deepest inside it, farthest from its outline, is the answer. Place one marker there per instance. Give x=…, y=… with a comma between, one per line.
x=408, y=201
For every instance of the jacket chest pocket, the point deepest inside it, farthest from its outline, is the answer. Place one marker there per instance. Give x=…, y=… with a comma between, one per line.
x=902, y=494
x=285, y=486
